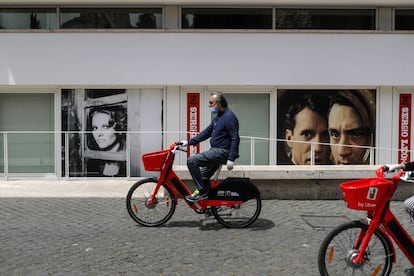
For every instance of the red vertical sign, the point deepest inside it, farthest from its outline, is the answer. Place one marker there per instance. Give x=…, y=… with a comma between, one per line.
x=193, y=119
x=404, y=132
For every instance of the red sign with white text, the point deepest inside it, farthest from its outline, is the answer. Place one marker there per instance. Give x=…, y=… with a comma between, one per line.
x=404, y=131
x=193, y=120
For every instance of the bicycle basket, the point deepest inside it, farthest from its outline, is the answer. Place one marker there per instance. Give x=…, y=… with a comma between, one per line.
x=364, y=194
x=154, y=161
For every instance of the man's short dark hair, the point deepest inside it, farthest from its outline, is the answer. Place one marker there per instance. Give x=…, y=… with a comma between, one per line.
x=315, y=102
x=350, y=99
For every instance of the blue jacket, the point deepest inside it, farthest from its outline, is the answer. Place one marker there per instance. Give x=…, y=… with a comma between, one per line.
x=224, y=133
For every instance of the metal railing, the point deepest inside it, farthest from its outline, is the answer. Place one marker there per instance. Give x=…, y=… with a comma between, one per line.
x=62, y=138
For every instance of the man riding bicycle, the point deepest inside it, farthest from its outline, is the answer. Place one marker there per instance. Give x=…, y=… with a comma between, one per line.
x=223, y=132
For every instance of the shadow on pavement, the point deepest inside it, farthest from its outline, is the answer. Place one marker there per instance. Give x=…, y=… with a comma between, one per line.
x=209, y=224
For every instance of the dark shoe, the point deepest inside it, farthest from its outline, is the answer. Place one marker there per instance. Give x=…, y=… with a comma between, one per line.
x=197, y=197
x=409, y=272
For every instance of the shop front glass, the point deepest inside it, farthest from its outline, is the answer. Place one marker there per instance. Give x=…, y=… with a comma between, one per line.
x=105, y=131
x=1, y=154
x=27, y=124
x=253, y=112
x=326, y=127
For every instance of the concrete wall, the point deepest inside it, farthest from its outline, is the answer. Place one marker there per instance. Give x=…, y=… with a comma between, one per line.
x=209, y=58
x=297, y=182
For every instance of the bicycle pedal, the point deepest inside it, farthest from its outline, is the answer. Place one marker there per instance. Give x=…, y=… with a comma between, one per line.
x=199, y=211
x=208, y=212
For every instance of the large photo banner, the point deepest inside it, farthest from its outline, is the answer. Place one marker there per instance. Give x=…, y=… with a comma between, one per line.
x=108, y=128
x=325, y=127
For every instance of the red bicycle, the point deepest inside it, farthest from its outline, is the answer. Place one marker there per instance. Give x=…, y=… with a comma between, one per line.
x=365, y=247
x=235, y=202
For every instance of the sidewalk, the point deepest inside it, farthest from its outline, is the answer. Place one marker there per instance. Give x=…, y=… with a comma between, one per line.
x=81, y=188
x=96, y=236
x=290, y=189
x=81, y=227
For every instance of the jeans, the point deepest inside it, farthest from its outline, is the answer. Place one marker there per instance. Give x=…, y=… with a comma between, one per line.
x=203, y=165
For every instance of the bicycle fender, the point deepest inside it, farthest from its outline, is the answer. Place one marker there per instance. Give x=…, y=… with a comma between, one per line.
x=234, y=188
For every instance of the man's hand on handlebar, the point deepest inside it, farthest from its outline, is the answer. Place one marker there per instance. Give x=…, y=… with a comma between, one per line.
x=392, y=167
x=183, y=143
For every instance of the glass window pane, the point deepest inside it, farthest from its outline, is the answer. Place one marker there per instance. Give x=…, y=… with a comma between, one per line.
x=105, y=130
x=251, y=109
x=322, y=123
x=31, y=153
x=106, y=18
x=28, y=152
x=229, y=18
x=404, y=19
x=1, y=152
x=329, y=19
x=28, y=18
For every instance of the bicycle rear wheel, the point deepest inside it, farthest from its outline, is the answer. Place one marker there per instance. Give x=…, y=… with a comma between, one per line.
x=155, y=214
x=337, y=251
x=239, y=216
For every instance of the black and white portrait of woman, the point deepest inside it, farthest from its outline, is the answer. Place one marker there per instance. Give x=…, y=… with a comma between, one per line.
x=105, y=131
x=106, y=138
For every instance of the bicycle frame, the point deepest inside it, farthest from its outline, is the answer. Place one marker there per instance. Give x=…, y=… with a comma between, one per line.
x=170, y=178
x=384, y=220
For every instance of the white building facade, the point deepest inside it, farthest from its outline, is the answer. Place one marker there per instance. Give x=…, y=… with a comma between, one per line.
x=153, y=65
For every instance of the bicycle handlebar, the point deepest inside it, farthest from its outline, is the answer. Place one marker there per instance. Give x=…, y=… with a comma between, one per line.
x=406, y=176
x=177, y=146
x=380, y=172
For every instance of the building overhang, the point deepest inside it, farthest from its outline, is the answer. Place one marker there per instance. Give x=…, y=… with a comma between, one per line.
x=307, y=3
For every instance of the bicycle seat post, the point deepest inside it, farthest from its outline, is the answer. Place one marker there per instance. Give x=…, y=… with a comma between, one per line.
x=217, y=173
x=214, y=182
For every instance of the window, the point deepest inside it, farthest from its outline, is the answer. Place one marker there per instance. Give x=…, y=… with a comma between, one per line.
x=2, y=163
x=38, y=18
x=28, y=119
x=329, y=19
x=404, y=19
x=108, y=18
x=226, y=18
x=253, y=112
x=320, y=124
x=107, y=130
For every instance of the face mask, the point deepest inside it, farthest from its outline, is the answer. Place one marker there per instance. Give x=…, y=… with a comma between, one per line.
x=213, y=109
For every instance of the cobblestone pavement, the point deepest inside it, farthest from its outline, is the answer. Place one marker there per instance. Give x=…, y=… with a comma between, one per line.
x=96, y=236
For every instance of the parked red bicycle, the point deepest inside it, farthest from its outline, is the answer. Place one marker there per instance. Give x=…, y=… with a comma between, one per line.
x=365, y=247
x=235, y=202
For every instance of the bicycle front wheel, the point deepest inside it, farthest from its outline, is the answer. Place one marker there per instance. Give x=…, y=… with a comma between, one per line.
x=338, y=249
x=146, y=213
x=239, y=216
